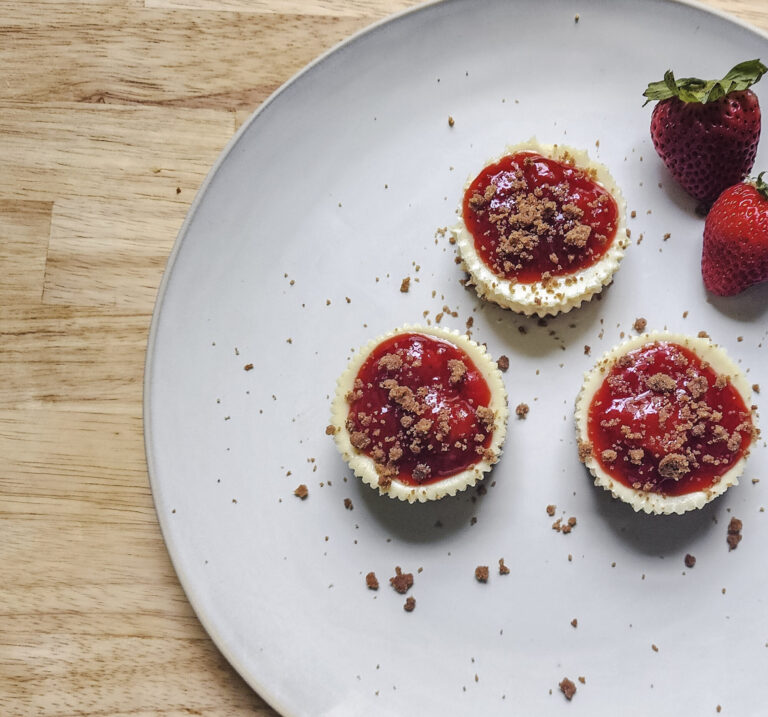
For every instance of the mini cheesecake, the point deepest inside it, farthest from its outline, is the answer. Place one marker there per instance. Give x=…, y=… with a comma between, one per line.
x=664, y=422
x=541, y=229
x=420, y=413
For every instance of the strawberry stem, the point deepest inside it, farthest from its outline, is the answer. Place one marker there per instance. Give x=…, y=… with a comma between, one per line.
x=692, y=89
x=761, y=185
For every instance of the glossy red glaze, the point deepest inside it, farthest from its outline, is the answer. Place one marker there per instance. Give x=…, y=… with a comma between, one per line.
x=661, y=422
x=424, y=366
x=519, y=176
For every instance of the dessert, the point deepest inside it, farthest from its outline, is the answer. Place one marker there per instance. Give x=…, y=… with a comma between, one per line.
x=541, y=229
x=420, y=413
x=664, y=422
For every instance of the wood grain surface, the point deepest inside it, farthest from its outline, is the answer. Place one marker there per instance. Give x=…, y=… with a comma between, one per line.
x=111, y=113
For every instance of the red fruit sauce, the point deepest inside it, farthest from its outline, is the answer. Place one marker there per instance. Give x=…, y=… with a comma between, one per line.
x=663, y=400
x=415, y=404
x=532, y=217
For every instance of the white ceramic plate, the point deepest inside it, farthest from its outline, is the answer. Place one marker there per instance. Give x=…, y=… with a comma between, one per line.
x=336, y=189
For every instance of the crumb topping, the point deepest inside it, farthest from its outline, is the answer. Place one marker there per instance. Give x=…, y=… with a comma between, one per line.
x=666, y=422
x=503, y=363
x=481, y=573
x=410, y=604
x=371, y=581
x=639, y=325
x=419, y=409
x=301, y=491
x=529, y=213
x=521, y=410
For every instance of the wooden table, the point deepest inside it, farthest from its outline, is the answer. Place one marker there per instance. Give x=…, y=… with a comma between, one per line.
x=111, y=113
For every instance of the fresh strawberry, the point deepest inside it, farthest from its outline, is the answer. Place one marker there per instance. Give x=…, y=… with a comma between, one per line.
x=735, y=251
x=706, y=132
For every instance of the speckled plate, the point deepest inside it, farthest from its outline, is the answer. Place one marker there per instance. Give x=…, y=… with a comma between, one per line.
x=293, y=254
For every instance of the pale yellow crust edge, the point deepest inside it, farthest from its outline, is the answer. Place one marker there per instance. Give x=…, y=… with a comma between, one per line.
x=642, y=500
x=364, y=467
x=563, y=293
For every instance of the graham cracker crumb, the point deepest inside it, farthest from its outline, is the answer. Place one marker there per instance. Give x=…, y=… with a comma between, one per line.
x=401, y=581
x=503, y=362
x=372, y=581
x=661, y=382
x=674, y=466
x=575, y=622
x=522, y=410
x=405, y=284
x=639, y=325
x=348, y=504
x=330, y=430
x=481, y=573
x=551, y=510
x=585, y=450
x=248, y=367
x=734, y=534
x=503, y=569
x=410, y=604
x=583, y=680
x=301, y=491
x=451, y=121
x=690, y=560
x=567, y=688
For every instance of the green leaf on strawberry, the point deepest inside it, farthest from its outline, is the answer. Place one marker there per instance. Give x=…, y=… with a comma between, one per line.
x=761, y=185
x=692, y=89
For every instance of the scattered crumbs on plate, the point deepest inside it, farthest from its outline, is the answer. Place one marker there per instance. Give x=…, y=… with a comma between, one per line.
x=401, y=581
x=734, y=534
x=568, y=688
